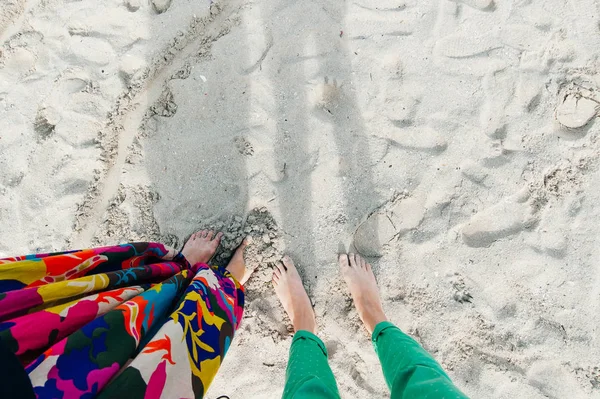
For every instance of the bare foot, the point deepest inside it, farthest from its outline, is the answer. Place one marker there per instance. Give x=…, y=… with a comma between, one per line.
x=362, y=284
x=201, y=246
x=293, y=296
x=237, y=266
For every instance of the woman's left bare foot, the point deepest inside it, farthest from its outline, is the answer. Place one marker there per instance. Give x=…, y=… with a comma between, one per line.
x=201, y=246
x=237, y=266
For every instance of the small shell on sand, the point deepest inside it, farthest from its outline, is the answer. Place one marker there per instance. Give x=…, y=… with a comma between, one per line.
x=576, y=112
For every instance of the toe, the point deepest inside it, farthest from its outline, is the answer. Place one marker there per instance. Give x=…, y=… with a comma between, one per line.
x=280, y=268
x=210, y=234
x=360, y=261
x=244, y=243
x=288, y=263
x=202, y=234
x=343, y=260
x=218, y=237
x=242, y=247
x=352, y=259
x=276, y=275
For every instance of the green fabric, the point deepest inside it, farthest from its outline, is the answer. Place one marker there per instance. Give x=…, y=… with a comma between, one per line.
x=409, y=371
x=308, y=375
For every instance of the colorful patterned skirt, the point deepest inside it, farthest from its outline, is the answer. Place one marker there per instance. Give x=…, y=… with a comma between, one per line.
x=132, y=320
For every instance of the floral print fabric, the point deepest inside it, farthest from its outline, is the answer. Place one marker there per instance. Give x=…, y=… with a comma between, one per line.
x=131, y=321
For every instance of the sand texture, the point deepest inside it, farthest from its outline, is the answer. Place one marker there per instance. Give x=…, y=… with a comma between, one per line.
x=454, y=143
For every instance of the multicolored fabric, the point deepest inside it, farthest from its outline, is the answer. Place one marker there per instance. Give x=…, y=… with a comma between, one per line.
x=133, y=320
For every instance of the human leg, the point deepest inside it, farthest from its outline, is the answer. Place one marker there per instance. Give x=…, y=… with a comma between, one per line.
x=308, y=374
x=409, y=371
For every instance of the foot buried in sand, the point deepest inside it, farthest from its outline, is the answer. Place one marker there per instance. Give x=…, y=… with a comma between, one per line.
x=201, y=246
x=293, y=296
x=237, y=266
x=362, y=284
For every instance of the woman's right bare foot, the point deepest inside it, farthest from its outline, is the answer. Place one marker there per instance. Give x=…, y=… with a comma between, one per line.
x=201, y=246
x=362, y=284
x=293, y=296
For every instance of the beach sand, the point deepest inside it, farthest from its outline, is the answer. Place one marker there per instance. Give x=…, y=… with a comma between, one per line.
x=453, y=143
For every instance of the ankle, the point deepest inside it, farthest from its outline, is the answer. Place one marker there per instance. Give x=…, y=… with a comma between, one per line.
x=371, y=320
x=305, y=321
x=236, y=271
x=371, y=313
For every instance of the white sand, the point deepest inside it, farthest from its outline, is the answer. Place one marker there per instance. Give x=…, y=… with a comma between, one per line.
x=454, y=142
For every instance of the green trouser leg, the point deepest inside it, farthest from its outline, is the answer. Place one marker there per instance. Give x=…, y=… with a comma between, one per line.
x=308, y=374
x=410, y=372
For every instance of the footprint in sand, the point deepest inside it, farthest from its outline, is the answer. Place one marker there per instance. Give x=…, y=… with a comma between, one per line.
x=554, y=380
x=553, y=243
x=92, y=50
x=19, y=63
x=511, y=216
x=391, y=221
